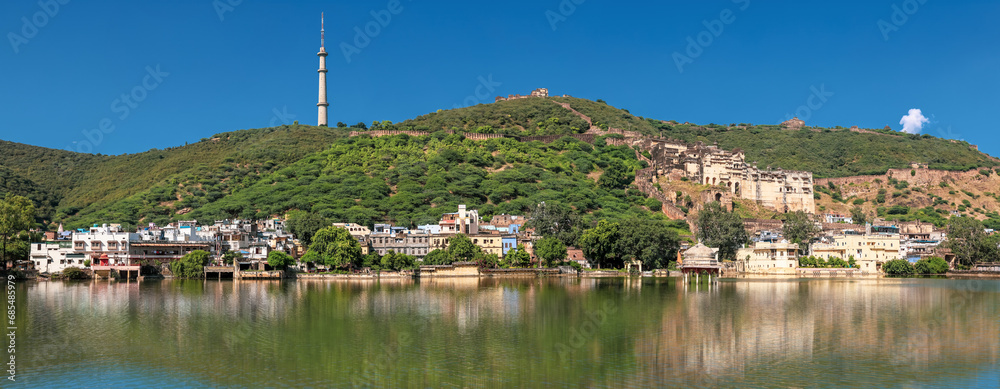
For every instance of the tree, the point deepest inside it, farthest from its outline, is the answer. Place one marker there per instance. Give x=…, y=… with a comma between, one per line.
x=191, y=265
x=305, y=224
x=335, y=248
x=231, y=256
x=897, y=267
x=279, y=259
x=557, y=220
x=600, y=243
x=397, y=261
x=488, y=261
x=651, y=242
x=722, y=229
x=932, y=265
x=17, y=214
x=461, y=249
x=437, y=257
x=551, y=251
x=518, y=257
x=858, y=216
x=967, y=239
x=615, y=176
x=800, y=228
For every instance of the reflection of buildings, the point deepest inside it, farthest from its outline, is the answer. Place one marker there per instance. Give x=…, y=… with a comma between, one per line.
x=786, y=334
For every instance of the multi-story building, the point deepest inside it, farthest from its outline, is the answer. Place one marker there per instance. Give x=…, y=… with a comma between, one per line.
x=869, y=250
x=768, y=255
x=105, y=245
x=55, y=256
x=508, y=242
x=415, y=243
x=489, y=244
x=461, y=222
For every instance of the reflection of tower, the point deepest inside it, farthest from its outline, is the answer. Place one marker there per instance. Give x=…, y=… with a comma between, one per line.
x=322, y=121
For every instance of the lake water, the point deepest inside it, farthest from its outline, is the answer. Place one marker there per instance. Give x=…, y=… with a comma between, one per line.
x=554, y=332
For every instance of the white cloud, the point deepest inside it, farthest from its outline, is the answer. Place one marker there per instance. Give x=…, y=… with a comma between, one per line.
x=913, y=122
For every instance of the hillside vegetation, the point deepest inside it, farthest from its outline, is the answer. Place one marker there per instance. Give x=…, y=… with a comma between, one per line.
x=91, y=188
x=409, y=181
x=833, y=152
x=413, y=180
x=526, y=117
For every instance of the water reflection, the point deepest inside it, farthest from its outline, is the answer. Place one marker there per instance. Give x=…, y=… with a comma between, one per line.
x=515, y=332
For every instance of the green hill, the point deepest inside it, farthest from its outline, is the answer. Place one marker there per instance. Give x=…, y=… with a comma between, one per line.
x=412, y=180
x=90, y=188
x=832, y=152
x=526, y=117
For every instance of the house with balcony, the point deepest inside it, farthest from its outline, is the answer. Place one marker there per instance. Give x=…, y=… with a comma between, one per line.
x=769, y=257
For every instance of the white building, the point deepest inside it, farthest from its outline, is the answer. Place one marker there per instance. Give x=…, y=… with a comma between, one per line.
x=101, y=241
x=54, y=257
x=464, y=222
x=768, y=257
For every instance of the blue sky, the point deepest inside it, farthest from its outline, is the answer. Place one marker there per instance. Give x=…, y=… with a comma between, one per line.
x=196, y=68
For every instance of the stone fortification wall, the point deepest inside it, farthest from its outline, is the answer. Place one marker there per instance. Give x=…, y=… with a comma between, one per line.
x=380, y=133
x=755, y=226
x=920, y=177
x=644, y=180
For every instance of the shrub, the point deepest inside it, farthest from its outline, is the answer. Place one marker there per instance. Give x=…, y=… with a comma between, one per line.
x=898, y=267
x=74, y=273
x=932, y=265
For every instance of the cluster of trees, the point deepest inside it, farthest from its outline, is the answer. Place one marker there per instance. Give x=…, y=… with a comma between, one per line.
x=523, y=117
x=412, y=180
x=829, y=153
x=611, y=244
x=17, y=216
x=720, y=228
x=336, y=249
x=925, y=266
x=834, y=262
x=968, y=240
x=461, y=249
x=154, y=185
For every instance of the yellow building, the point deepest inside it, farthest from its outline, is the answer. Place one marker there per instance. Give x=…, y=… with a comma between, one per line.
x=868, y=250
x=768, y=257
x=490, y=244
